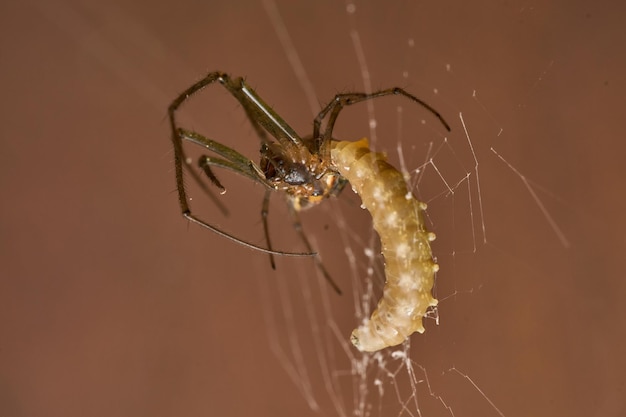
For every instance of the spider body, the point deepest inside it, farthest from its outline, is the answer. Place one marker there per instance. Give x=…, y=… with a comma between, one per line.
x=301, y=168
x=306, y=183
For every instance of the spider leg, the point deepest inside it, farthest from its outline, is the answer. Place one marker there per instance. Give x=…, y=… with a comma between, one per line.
x=204, y=187
x=179, y=153
x=261, y=116
x=192, y=218
x=265, y=209
x=206, y=161
x=297, y=224
x=333, y=108
x=234, y=161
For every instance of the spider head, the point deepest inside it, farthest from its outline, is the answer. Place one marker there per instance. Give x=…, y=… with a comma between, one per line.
x=296, y=174
x=281, y=168
x=307, y=183
x=308, y=195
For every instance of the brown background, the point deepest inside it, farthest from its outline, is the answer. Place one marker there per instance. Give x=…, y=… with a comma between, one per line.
x=111, y=305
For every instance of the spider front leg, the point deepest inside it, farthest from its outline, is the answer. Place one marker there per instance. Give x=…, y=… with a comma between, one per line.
x=239, y=164
x=179, y=153
x=333, y=109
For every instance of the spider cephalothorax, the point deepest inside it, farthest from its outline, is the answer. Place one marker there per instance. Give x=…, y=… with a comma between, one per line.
x=306, y=183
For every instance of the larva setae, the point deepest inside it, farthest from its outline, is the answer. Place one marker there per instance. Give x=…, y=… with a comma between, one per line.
x=409, y=266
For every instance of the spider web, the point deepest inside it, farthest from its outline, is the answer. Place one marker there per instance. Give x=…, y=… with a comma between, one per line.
x=502, y=191
x=444, y=170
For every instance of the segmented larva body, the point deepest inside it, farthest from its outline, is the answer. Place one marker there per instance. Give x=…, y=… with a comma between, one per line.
x=409, y=266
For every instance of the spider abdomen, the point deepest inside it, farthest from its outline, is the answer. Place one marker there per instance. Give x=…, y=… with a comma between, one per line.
x=409, y=265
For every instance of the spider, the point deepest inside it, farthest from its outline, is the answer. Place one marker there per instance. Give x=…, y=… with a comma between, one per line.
x=301, y=167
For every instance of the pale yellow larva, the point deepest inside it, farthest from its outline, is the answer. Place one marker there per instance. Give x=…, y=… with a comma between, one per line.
x=409, y=266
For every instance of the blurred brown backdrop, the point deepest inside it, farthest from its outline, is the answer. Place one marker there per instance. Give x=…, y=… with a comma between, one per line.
x=111, y=305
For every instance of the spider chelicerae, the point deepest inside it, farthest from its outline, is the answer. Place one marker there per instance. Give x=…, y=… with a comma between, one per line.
x=301, y=167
